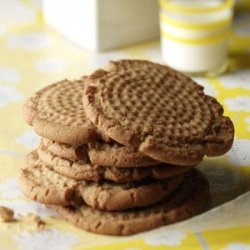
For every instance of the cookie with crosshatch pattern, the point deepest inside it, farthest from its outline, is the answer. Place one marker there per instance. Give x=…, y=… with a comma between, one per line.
x=157, y=110
x=56, y=113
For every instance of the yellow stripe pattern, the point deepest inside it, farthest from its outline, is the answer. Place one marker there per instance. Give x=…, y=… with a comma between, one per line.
x=195, y=26
x=199, y=41
x=170, y=6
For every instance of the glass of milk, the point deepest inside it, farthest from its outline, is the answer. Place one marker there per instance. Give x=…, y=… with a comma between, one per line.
x=195, y=34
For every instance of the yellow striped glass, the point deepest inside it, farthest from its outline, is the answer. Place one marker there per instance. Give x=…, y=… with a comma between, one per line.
x=195, y=34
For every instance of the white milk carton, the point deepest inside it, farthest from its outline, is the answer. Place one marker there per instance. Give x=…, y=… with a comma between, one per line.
x=103, y=24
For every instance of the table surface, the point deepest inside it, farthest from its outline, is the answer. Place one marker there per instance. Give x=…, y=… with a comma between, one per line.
x=32, y=56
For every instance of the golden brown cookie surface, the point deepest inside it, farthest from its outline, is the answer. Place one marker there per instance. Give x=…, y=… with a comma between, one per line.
x=43, y=184
x=84, y=170
x=67, y=151
x=117, y=155
x=56, y=113
x=189, y=200
x=163, y=113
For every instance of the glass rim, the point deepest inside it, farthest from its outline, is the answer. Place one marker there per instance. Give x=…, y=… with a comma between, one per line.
x=176, y=7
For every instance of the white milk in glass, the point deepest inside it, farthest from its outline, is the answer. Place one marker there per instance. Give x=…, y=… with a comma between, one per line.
x=195, y=34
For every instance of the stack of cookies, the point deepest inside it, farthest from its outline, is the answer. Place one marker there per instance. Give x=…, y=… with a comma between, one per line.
x=119, y=147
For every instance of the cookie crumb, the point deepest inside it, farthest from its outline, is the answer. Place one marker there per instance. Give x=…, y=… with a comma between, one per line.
x=40, y=224
x=6, y=214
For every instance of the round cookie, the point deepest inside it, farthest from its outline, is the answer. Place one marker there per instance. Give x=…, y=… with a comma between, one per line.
x=117, y=155
x=42, y=184
x=84, y=170
x=190, y=199
x=118, y=197
x=158, y=110
x=67, y=151
x=100, y=153
x=56, y=113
